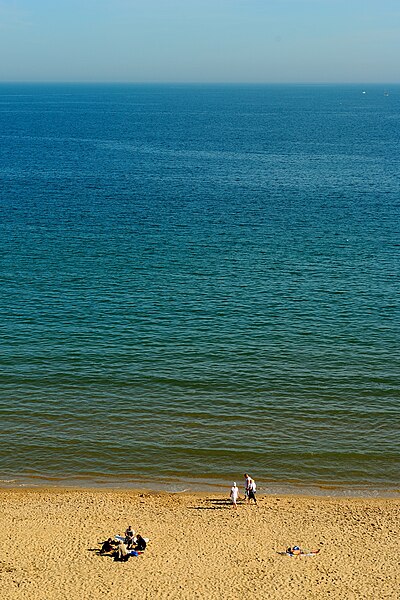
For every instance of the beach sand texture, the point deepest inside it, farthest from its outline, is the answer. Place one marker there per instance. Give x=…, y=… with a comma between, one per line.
x=199, y=547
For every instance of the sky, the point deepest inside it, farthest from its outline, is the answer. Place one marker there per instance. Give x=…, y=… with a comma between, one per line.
x=237, y=41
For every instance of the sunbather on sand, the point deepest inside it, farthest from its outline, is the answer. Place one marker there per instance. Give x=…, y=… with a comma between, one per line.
x=297, y=551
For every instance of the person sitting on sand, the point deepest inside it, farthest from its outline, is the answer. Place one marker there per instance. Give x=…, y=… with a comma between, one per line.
x=121, y=552
x=140, y=544
x=108, y=546
x=129, y=537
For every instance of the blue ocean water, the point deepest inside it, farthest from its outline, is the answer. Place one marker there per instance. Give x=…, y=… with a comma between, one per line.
x=197, y=281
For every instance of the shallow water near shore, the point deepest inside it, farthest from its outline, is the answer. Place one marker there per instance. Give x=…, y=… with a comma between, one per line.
x=200, y=486
x=198, y=281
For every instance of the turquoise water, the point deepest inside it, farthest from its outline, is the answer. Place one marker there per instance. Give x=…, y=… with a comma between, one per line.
x=198, y=281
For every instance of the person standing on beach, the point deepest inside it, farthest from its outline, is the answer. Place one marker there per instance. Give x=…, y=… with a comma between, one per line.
x=234, y=494
x=247, y=478
x=251, y=494
x=250, y=489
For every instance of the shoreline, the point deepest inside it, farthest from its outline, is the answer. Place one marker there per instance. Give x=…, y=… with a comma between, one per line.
x=290, y=496
x=181, y=486
x=199, y=546
x=184, y=495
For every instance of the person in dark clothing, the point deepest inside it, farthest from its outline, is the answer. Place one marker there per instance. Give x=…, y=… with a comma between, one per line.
x=140, y=544
x=107, y=547
x=129, y=537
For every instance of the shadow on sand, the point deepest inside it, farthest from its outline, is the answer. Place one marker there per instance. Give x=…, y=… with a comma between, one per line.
x=98, y=552
x=213, y=504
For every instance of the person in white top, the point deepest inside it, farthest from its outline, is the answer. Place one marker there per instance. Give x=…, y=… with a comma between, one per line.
x=250, y=489
x=234, y=494
x=247, y=480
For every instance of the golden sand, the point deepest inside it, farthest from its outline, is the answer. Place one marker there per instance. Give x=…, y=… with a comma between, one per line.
x=199, y=546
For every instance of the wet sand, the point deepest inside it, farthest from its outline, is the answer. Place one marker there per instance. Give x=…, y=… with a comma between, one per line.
x=199, y=547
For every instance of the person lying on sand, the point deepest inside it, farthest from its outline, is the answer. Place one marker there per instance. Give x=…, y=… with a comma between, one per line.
x=297, y=551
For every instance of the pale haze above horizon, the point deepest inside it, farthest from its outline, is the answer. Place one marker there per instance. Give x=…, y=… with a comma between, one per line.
x=205, y=41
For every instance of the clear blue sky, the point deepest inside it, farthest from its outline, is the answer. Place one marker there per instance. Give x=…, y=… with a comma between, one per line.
x=200, y=40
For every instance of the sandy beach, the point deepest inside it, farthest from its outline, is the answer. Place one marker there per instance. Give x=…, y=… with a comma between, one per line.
x=199, y=547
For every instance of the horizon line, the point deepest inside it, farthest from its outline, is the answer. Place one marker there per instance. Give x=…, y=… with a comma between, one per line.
x=105, y=82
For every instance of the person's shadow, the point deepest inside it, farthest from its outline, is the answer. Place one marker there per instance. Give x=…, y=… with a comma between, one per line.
x=98, y=552
x=214, y=504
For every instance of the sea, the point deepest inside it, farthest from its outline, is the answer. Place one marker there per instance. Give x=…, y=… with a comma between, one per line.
x=198, y=281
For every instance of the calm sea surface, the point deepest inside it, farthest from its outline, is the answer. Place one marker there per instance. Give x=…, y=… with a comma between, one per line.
x=196, y=281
